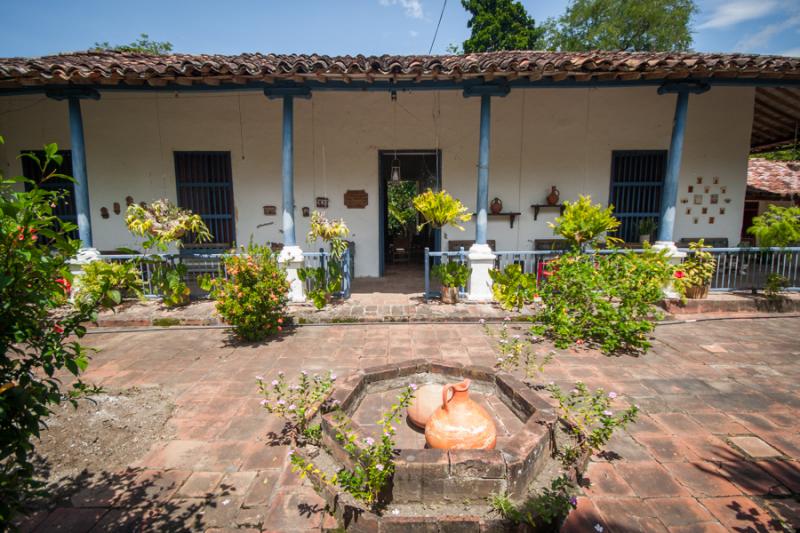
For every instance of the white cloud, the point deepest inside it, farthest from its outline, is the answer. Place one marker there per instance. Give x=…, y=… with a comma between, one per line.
x=413, y=33
x=730, y=13
x=413, y=8
x=759, y=39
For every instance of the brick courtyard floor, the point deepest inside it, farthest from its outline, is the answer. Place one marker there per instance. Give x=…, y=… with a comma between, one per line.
x=716, y=447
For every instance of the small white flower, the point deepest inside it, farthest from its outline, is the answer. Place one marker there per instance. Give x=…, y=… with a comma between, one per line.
x=225, y=502
x=274, y=382
x=612, y=395
x=598, y=528
x=395, y=511
x=260, y=378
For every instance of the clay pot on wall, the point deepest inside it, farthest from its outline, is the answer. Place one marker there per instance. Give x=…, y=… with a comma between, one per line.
x=697, y=292
x=552, y=198
x=427, y=399
x=449, y=295
x=460, y=423
x=496, y=207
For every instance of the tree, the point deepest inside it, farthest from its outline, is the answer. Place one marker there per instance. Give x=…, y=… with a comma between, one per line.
x=38, y=333
x=500, y=25
x=143, y=46
x=778, y=226
x=641, y=25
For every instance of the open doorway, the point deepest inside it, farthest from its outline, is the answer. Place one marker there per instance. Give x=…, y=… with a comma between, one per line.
x=402, y=175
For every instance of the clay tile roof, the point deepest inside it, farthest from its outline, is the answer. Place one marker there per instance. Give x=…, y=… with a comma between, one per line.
x=110, y=68
x=776, y=177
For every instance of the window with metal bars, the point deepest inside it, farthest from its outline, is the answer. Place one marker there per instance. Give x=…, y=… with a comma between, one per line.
x=65, y=209
x=637, y=178
x=205, y=185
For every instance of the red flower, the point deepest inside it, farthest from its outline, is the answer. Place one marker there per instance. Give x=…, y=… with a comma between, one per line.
x=280, y=328
x=679, y=274
x=67, y=286
x=58, y=328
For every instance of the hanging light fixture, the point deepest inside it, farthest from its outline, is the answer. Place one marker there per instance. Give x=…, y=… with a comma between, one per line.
x=396, y=169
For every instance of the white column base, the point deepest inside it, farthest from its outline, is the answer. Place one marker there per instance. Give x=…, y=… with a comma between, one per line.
x=481, y=260
x=675, y=258
x=84, y=256
x=291, y=259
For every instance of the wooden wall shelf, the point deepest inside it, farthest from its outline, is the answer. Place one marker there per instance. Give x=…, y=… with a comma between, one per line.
x=536, y=208
x=511, y=216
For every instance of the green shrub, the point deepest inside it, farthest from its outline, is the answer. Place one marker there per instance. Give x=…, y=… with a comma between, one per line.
x=778, y=226
x=583, y=223
x=108, y=283
x=322, y=283
x=253, y=299
x=36, y=343
x=452, y=274
x=603, y=299
x=513, y=288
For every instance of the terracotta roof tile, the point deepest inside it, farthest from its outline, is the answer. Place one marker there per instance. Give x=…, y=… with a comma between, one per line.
x=92, y=66
x=777, y=177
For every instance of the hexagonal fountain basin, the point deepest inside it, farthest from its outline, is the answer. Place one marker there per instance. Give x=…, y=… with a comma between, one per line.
x=432, y=476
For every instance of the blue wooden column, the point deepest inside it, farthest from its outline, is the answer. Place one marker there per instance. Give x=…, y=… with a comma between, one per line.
x=74, y=95
x=288, y=94
x=482, y=204
x=287, y=174
x=81, y=199
x=485, y=91
x=669, y=193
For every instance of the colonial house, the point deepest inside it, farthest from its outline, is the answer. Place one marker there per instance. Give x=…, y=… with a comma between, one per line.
x=256, y=142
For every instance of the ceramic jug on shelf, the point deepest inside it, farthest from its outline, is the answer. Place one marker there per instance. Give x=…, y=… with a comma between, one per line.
x=460, y=423
x=552, y=198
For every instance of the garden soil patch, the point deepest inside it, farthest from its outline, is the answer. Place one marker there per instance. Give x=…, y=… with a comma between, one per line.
x=105, y=434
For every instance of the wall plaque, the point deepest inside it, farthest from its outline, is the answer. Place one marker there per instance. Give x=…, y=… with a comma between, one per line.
x=270, y=210
x=356, y=199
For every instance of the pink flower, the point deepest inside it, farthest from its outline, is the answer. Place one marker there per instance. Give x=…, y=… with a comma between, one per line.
x=369, y=441
x=292, y=407
x=379, y=467
x=263, y=402
x=612, y=395
x=274, y=382
x=607, y=412
x=259, y=378
x=412, y=386
x=281, y=402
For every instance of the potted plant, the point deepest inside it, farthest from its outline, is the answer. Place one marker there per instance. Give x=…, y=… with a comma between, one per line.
x=647, y=227
x=452, y=275
x=439, y=209
x=696, y=271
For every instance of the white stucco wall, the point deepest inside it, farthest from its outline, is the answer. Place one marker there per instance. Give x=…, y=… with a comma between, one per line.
x=540, y=137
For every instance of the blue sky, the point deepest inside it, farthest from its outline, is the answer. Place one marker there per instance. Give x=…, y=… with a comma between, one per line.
x=38, y=27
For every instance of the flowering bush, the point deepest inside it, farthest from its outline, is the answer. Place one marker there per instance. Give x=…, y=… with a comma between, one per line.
x=589, y=418
x=604, y=299
x=515, y=350
x=373, y=459
x=37, y=339
x=254, y=296
x=295, y=402
x=590, y=422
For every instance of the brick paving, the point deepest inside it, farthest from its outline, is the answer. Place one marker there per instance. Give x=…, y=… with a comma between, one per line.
x=701, y=457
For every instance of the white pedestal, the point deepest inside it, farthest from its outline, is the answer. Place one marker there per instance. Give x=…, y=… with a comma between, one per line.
x=84, y=256
x=481, y=260
x=291, y=259
x=675, y=257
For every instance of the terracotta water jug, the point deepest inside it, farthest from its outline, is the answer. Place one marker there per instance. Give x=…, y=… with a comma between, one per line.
x=552, y=198
x=496, y=207
x=460, y=423
x=427, y=399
